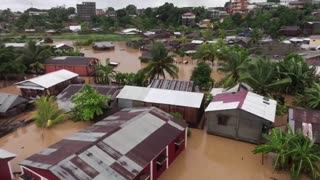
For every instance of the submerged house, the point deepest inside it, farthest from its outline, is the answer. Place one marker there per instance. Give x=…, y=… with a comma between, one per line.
x=5, y=167
x=64, y=98
x=11, y=104
x=137, y=143
x=188, y=104
x=242, y=116
x=63, y=47
x=306, y=120
x=290, y=31
x=49, y=84
x=77, y=64
x=103, y=46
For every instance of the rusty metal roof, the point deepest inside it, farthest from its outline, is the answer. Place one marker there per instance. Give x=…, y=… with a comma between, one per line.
x=247, y=101
x=72, y=89
x=71, y=60
x=118, y=147
x=300, y=116
x=172, y=85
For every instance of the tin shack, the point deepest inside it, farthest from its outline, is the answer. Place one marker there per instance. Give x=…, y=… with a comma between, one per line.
x=240, y=115
x=188, y=104
x=138, y=143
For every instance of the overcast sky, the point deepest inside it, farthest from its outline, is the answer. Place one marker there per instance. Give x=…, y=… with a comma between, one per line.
x=21, y=5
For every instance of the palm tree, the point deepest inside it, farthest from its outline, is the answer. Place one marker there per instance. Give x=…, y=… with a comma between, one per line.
x=160, y=63
x=278, y=143
x=33, y=53
x=256, y=36
x=235, y=63
x=295, y=67
x=104, y=74
x=293, y=151
x=47, y=113
x=310, y=98
x=9, y=63
x=261, y=75
x=206, y=51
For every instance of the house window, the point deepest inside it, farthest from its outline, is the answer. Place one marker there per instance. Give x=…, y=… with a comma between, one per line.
x=160, y=161
x=178, y=143
x=223, y=120
x=316, y=134
x=144, y=177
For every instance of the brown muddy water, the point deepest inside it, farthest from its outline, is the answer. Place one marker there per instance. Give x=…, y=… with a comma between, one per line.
x=28, y=140
x=209, y=157
x=129, y=59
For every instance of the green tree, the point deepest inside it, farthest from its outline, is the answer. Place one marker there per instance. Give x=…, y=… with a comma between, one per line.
x=104, y=74
x=300, y=73
x=33, y=53
x=47, y=113
x=9, y=64
x=160, y=63
x=89, y=104
x=293, y=151
x=261, y=75
x=201, y=75
x=310, y=97
x=256, y=36
x=233, y=65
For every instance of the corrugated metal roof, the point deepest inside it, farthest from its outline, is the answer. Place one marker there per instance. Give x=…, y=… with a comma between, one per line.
x=247, y=101
x=64, y=98
x=8, y=101
x=15, y=45
x=5, y=154
x=172, y=85
x=47, y=80
x=162, y=96
x=300, y=116
x=132, y=138
x=70, y=60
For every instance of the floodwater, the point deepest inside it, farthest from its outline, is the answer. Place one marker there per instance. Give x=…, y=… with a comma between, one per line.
x=28, y=140
x=209, y=157
x=206, y=157
x=129, y=59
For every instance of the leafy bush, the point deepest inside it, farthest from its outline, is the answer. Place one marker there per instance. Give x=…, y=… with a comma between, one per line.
x=294, y=152
x=85, y=42
x=201, y=75
x=89, y=103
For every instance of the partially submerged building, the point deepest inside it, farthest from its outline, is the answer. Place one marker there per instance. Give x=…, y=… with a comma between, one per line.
x=188, y=104
x=63, y=47
x=64, y=98
x=188, y=19
x=290, y=31
x=137, y=143
x=242, y=116
x=12, y=104
x=306, y=120
x=84, y=66
x=49, y=84
x=103, y=46
x=5, y=167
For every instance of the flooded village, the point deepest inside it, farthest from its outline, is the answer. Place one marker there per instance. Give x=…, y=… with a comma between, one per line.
x=160, y=93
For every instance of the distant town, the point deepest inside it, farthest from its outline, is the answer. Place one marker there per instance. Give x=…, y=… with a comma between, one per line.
x=164, y=93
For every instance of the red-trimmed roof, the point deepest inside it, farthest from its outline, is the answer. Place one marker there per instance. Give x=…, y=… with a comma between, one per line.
x=120, y=146
x=231, y=97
